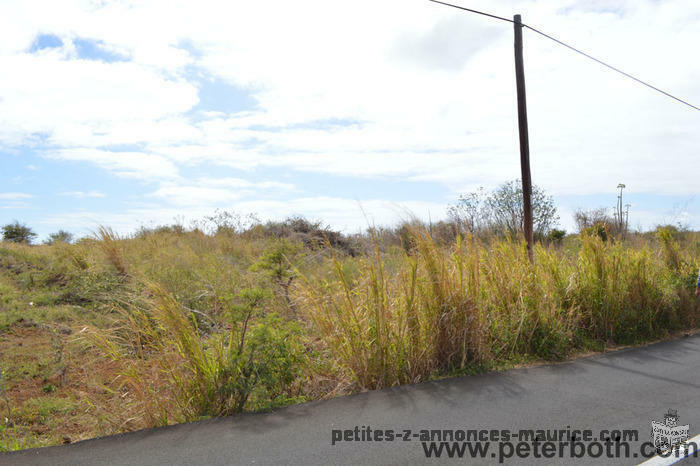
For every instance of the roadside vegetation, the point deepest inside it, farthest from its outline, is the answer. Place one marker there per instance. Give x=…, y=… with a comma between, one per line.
x=173, y=324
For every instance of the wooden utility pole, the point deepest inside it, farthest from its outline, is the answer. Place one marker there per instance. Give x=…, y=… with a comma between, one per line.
x=524, y=139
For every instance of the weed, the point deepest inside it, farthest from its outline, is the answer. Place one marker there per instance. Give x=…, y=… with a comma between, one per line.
x=175, y=324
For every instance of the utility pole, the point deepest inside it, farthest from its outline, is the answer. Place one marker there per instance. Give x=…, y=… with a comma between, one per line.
x=524, y=138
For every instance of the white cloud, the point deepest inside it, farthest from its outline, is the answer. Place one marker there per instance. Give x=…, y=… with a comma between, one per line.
x=429, y=91
x=15, y=196
x=14, y=200
x=345, y=214
x=210, y=192
x=128, y=164
x=240, y=183
x=83, y=195
x=195, y=195
x=81, y=102
x=348, y=215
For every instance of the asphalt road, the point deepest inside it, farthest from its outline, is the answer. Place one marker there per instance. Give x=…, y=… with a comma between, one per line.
x=617, y=390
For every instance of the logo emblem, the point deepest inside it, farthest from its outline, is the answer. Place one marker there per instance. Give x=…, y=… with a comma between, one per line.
x=668, y=434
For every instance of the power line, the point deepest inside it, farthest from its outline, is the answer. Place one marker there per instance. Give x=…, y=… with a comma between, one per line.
x=472, y=11
x=610, y=66
x=575, y=50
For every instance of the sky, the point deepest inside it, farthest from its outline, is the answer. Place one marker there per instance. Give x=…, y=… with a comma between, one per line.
x=138, y=113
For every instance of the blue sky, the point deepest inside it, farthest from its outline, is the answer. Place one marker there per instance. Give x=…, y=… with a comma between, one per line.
x=111, y=113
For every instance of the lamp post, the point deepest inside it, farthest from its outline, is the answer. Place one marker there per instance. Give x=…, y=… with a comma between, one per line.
x=620, y=215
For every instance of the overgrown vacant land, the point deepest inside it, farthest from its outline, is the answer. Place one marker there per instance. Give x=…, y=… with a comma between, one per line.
x=171, y=324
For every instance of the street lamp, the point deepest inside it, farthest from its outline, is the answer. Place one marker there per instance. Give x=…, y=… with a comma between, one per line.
x=620, y=217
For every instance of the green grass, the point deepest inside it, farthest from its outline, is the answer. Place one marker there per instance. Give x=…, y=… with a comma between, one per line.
x=41, y=410
x=12, y=438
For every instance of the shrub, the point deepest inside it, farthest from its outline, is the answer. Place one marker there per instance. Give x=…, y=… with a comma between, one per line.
x=599, y=230
x=556, y=236
x=586, y=219
x=17, y=233
x=252, y=365
x=313, y=235
x=278, y=262
x=61, y=236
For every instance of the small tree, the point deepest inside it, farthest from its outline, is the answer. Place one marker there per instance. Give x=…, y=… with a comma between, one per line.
x=61, y=236
x=596, y=222
x=590, y=218
x=17, y=233
x=501, y=211
x=556, y=236
x=470, y=211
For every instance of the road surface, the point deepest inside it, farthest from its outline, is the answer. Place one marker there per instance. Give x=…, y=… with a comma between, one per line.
x=622, y=390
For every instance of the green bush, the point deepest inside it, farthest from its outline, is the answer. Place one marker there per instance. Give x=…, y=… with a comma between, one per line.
x=279, y=262
x=252, y=365
x=61, y=236
x=17, y=233
x=556, y=235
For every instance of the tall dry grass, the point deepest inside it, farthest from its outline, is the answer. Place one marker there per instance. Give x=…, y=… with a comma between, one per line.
x=403, y=317
x=252, y=362
x=111, y=245
x=390, y=327
x=196, y=326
